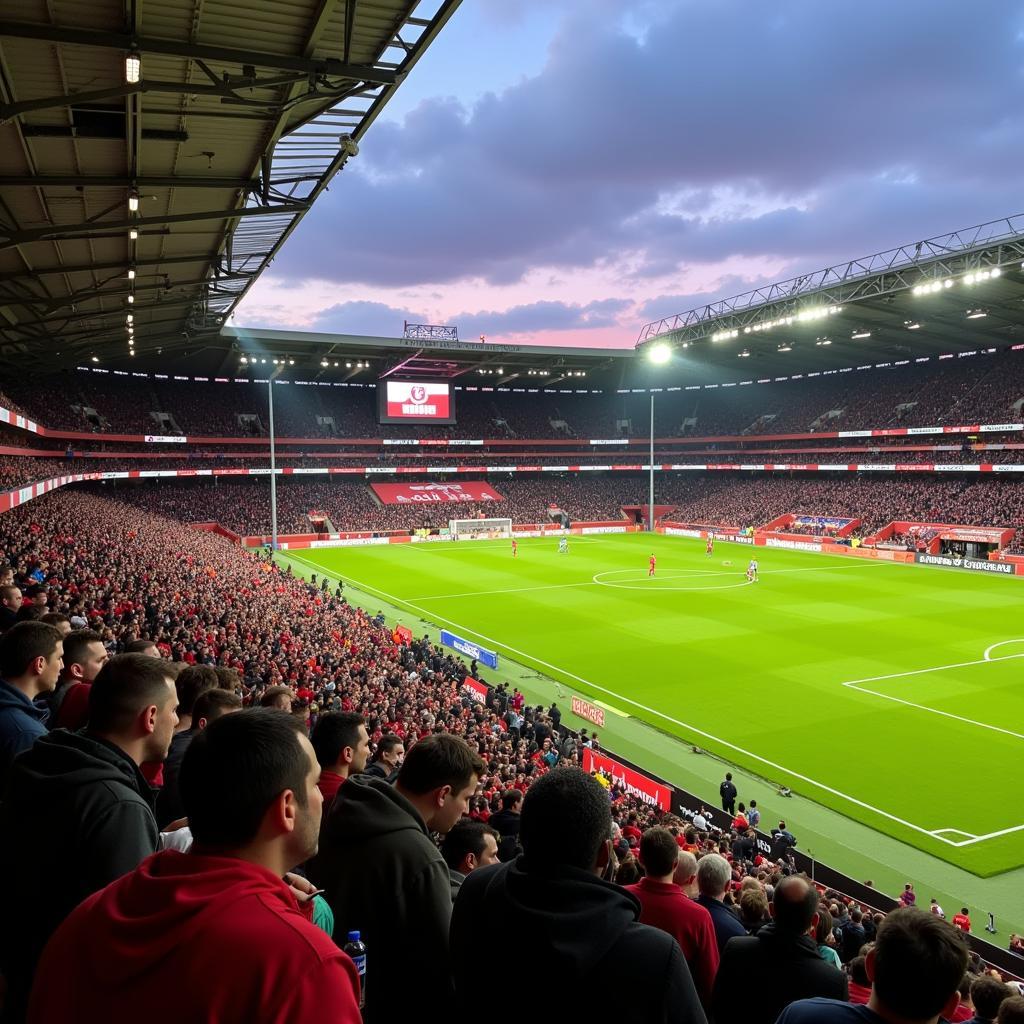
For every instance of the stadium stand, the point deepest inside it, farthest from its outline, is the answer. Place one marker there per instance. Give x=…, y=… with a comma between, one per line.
x=984, y=389
x=135, y=575
x=718, y=500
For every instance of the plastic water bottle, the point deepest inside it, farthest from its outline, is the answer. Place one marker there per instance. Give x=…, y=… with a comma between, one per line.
x=356, y=949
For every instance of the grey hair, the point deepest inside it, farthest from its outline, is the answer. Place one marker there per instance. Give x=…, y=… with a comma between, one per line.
x=686, y=866
x=713, y=874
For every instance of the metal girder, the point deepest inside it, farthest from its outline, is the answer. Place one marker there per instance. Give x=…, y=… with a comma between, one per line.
x=350, y=22
x=9, y=239
x=99, y=314
x=121, y=181
x=992, y=244
x=128, y=288
x=329, y=66
x=84, y=268
x=224, y=92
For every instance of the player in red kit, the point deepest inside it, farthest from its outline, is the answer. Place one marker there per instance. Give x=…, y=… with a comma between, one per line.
x=651, y=562
x=962, y=920
x=515, y=549
x=710, y=549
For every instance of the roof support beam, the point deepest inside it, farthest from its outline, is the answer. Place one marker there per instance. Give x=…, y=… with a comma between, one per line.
x=119, y=314
x=328, y=66
x=9, y=239
x=85, y=268
x=120, y=181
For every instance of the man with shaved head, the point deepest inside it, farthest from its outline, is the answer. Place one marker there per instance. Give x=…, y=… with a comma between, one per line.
x=780, y=963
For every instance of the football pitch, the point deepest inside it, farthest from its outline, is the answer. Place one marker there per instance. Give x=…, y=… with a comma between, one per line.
x=891, y=693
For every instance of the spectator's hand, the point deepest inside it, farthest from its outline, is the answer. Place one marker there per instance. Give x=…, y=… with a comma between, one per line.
x=302, y=888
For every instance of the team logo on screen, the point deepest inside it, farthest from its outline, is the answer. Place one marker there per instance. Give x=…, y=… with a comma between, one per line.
x=418, y=393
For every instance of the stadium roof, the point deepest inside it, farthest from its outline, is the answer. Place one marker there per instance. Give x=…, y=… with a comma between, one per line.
x=962, y=291
x=210, y=149
x=345, y=356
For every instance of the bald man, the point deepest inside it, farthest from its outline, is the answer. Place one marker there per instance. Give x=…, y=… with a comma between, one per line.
x=780, y=963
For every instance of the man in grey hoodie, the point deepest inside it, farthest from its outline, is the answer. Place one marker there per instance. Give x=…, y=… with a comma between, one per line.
x=385, y=878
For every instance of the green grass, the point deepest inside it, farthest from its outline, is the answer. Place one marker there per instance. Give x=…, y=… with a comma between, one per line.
x=755, y=673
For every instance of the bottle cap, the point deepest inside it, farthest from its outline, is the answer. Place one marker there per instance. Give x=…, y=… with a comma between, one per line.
x=353, y=936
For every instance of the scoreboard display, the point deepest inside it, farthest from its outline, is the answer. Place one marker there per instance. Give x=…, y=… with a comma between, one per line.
x=415, y=401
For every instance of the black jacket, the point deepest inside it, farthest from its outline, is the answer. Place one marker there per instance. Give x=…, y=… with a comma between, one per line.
x=379, y=770
x=780, y=967
x=168, y=803
x=386, y=879
x=77, y=814
x=567, y=931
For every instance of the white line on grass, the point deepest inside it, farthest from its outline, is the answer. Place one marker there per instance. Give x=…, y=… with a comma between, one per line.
x=514, y=590
x=643, y=576
x=1002, y=643
x=855, y=684
x=653, y=711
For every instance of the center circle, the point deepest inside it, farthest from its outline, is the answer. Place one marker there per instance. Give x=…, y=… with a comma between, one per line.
x=637, y=579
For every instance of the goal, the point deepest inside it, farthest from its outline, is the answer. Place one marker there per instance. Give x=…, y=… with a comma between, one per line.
x=479, y=529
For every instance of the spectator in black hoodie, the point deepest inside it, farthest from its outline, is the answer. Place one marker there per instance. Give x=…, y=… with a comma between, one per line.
x=566, y=927
x=78, y=812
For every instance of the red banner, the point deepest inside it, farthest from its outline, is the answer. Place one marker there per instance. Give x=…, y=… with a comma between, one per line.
x=584, y=709
x=433, y=493
x=474, y=688
x=657, y=794
x=402, y=635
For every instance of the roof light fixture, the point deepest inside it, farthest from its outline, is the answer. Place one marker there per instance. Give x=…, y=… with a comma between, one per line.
x=132, y=68
x=133, y=201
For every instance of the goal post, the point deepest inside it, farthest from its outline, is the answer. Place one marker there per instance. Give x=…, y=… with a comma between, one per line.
x=479, y=529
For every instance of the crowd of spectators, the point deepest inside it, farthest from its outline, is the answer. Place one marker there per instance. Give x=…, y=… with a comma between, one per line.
x=221, y=619
x=717, y=499
x=983, y=389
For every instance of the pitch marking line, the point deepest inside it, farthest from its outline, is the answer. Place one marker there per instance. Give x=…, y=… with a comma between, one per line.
x=658, y=714
x=594, y=581
x=1002, y=643
x=856, y=685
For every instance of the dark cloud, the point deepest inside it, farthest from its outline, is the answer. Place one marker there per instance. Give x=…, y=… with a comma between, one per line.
x=542, y=316
x=378, y=318
x=372, y=318
x=890, y=124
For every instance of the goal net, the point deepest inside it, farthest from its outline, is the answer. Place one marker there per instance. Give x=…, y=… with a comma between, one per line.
x=479, y=529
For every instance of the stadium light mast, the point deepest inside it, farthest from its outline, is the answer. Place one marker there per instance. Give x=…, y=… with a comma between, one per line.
x=273, y=463
x=650, y=495
x=659, y=355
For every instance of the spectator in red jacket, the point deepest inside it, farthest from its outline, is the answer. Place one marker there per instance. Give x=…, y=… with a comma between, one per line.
x=342, y=747
x=664, y=905
x=84, y=656
x=154, y=942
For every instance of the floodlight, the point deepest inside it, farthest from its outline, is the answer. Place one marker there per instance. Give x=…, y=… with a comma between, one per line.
x=660, y=354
